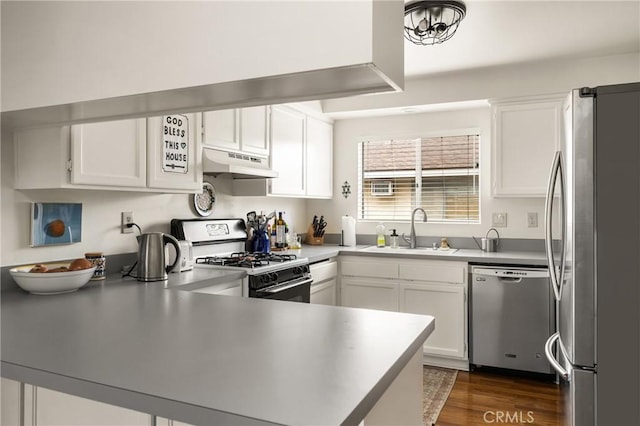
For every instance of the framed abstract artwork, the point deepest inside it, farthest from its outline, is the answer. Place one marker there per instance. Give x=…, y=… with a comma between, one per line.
x=55, y=223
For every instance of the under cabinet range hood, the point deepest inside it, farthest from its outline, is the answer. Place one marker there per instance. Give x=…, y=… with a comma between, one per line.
x=240, y=165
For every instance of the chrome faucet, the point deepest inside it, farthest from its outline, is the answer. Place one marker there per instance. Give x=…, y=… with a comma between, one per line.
x=412, y=237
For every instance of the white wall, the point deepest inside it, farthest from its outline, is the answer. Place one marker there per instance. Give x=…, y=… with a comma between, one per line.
x=101, y=215
x=347, y=134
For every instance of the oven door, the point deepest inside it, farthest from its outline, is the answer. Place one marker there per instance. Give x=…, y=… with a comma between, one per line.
x=298, y=290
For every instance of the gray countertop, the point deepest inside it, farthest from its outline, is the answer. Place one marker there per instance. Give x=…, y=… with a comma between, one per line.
x=320, y=253
x=207, y=359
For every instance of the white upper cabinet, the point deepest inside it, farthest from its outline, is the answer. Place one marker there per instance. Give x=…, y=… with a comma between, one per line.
x=254, y=130
x=243, y=129
x=287, y=151
x=220, y=129
x=109, y=153
x=174, y=152
x=319, y=158
x=301, y=153
x=526, y=133
x=132, y=154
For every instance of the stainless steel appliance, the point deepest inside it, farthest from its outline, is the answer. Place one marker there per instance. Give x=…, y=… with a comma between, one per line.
x=152, y=262
x=238, y=164
x=596, y=175
x=512, y=315
x=186, y=261
x=220, y=243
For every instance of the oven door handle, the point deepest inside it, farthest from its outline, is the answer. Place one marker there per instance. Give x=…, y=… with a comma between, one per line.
x=285, y=286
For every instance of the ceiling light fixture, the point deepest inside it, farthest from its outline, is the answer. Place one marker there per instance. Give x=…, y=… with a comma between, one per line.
x=432, y=22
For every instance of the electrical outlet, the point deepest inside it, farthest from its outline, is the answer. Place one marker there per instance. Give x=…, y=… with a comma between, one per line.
x=499, y=219
x=532, y=220
x=126, y=218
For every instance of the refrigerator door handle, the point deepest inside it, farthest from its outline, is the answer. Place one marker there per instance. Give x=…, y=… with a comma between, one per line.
x=556, y=171
x=552, y=360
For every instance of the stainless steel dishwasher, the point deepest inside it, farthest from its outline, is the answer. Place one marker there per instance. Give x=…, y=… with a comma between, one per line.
x=512, y=315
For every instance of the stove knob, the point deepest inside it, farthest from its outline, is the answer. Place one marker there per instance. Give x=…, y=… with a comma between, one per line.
x=305, y=269
x=297, y=270
x=265, y=279
x=274, y=277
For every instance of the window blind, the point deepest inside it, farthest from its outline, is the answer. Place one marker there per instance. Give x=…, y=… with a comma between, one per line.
x=439, y=174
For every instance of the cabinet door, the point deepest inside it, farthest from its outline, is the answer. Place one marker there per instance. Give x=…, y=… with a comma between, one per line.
x=111, y=153
x=446, y=303
x=41, y=157
x=254, y=130
x=319, y=158
x=324, y=293
x=174, y=161
x=10, y=402
x=56, y=408
x=220, y=129
x=287, y=151
x=525, y=137
x=370, y=294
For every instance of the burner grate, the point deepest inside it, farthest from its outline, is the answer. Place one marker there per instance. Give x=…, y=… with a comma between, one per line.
x=246, y=259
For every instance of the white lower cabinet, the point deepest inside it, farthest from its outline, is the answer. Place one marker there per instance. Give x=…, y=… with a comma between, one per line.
x=446, y=303
x=325, y=279
x=48, y=407
x=324, y=293
x=429, y=287
x=369, y=293
x=11, y=400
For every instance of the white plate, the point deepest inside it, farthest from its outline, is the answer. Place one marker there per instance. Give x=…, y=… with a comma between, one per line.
x=204, y=202
x=50, y=282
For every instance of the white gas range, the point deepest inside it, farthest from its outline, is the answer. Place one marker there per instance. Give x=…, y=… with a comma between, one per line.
x=220, y=243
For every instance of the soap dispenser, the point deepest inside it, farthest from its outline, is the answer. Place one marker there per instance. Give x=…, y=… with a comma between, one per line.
x=380, y=241
x=394, y=239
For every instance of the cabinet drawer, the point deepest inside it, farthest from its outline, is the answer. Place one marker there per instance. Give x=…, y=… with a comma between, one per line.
x=447, y=272
x=378, y=269
x=324, y=271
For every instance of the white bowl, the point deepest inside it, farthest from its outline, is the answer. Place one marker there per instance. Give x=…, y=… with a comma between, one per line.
x=50, y=282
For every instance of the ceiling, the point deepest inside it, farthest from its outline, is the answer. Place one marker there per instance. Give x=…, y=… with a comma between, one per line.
x=498, y=32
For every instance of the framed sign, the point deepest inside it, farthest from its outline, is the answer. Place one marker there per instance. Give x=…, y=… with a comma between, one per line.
x=175, y=144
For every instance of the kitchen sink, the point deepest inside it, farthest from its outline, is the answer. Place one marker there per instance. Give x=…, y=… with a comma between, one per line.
x=407, y=250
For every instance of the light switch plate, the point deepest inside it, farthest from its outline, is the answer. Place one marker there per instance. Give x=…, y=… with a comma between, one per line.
x=499, y=220
x=532, y=219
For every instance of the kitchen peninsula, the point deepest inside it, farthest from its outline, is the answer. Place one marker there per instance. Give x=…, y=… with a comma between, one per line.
x=207, y=359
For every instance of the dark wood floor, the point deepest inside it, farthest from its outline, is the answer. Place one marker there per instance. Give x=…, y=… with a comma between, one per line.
x=488, y=397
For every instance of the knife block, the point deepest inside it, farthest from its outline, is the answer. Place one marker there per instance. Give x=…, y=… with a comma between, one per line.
x=311, y=240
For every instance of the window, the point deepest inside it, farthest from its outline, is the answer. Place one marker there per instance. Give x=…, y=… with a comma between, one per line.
x=439, y=174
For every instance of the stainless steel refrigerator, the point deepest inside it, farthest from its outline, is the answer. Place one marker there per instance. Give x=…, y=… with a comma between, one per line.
x=594, y=196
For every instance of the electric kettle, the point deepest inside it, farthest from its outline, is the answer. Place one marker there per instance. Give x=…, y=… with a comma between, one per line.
x=152, y=258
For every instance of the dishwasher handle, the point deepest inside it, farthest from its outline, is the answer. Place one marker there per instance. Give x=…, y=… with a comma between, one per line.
x=510, y=279
x=510, y=273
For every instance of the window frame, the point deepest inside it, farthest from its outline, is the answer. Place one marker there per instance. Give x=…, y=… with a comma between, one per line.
x=418, y=175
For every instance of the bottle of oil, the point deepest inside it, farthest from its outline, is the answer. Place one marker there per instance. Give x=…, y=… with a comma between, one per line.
x=280, y=231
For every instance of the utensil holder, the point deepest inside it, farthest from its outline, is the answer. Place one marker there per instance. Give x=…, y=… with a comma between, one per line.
x=311, y=240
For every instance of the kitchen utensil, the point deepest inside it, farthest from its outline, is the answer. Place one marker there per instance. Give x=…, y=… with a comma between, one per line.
x=51, y=282
x=152, y=262
x=488, y=244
